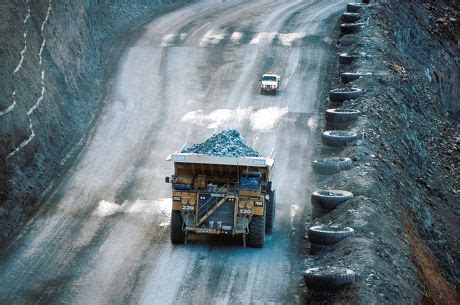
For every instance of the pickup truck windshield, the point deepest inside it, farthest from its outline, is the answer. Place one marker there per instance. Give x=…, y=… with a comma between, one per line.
x=269, y=78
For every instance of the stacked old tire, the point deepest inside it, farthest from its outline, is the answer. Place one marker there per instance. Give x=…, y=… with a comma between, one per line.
x=341, y=118
x=323, y=281
x=323, y=238
x=325, y=201
x=326, y=280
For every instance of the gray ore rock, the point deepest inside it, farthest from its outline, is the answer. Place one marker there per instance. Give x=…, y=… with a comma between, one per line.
x=228, y=143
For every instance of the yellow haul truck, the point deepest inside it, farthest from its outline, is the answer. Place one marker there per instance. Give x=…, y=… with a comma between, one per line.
x=221, y=195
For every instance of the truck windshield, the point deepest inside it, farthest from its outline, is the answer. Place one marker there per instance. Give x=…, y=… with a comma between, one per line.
x=269, y=78
x=249, y=183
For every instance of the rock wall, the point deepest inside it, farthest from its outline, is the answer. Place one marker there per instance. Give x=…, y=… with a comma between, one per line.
x=427, y=33
x=53, y=59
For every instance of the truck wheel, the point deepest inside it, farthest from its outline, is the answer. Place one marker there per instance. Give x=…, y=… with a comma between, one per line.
x=270, y=213
x=328, y=278
x=177, y=224
x=256, y=236
x=330, y=199
x=328, y=235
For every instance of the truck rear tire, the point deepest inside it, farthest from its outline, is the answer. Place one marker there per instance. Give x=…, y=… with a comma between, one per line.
x=177, y=224
x=270, y=213
x=256, y=236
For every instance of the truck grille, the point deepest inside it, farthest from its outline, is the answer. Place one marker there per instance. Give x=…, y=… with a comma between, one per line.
x=223, y=214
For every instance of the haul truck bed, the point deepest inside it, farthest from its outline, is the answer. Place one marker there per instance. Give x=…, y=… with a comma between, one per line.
x=221, y=195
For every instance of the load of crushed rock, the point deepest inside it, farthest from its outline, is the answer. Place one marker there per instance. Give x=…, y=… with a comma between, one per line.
x=228, y=143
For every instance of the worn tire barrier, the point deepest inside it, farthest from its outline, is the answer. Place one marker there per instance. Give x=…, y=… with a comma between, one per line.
x=342, y=115
x=328, y=278
x=338, y=138
x=328, y=235
x=256, y=236
x=330, y=166
x=348, y=77
x=177, y=224
x=341, y=95
x=355, y=7
x=348, y=28
x=349, y=58
x=330, y=199
x=350, y=17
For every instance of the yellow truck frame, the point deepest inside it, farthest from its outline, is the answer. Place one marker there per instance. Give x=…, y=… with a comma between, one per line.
x=221, y=195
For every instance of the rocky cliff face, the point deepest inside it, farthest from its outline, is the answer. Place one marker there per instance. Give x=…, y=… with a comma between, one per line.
x=53, y=56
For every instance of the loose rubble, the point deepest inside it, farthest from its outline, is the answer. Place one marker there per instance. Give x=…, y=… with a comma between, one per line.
x=228, y=143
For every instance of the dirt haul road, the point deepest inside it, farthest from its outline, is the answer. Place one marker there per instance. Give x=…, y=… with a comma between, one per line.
x=103, y=237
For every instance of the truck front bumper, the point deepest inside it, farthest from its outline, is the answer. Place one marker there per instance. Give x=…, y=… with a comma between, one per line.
x=216, y=231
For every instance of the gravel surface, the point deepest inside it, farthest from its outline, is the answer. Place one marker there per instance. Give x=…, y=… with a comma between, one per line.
x=103, y=235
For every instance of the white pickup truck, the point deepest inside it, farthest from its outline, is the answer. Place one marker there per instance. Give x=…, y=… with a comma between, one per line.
x=269, y=83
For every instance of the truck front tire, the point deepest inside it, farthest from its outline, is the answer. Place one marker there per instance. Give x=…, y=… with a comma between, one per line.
x=256, y=236
x=177, y=224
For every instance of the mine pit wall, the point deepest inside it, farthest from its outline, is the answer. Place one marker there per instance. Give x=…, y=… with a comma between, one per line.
x=426, y=34
x=424, y=37
x=54, y=56
x=406, y=163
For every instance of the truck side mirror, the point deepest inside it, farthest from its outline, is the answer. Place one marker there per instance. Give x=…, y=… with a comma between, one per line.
x=260, y=79
x=167, y=179
x=269, y=186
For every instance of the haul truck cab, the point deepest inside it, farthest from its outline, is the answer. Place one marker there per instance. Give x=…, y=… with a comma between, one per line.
x=221, y=195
